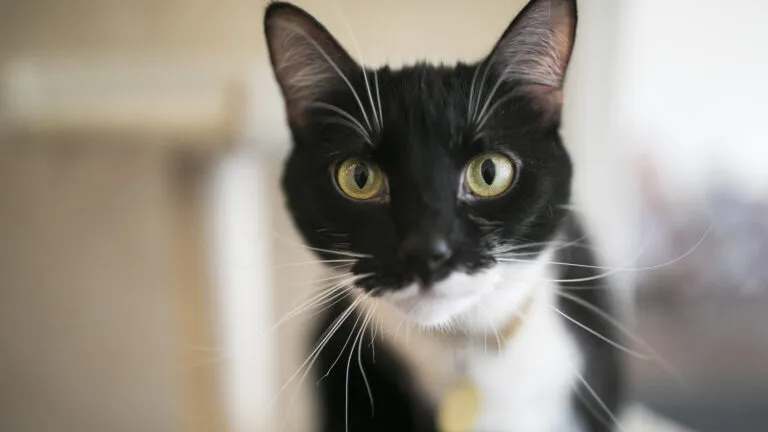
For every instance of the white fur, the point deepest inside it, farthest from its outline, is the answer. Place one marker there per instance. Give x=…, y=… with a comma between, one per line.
x=526, y=387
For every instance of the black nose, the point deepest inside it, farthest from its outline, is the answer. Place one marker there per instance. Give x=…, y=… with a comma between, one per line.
x=427, y=256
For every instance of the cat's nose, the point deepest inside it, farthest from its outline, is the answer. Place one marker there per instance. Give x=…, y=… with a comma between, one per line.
x=426, y=254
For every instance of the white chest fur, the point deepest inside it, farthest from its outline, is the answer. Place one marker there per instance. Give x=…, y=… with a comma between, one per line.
x=525, y=387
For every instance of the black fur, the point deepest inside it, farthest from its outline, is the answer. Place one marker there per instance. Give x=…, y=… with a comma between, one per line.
x=424, y=146
x=400, y=407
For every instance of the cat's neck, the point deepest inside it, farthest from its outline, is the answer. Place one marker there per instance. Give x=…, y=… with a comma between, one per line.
x=532, y=370
x=519, y=287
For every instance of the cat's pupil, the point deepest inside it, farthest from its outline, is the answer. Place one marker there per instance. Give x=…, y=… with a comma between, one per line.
x=361, y=175
x=488, y=171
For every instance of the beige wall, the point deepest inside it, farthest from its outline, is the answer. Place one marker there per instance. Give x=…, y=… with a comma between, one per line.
x=86, y=314
x=231, y=29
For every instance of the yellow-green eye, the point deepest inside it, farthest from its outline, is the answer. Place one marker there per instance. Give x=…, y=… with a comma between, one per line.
x=360, y=179
x=489, y=175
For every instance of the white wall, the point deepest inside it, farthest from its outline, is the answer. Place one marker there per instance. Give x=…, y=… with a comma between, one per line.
x=692, y=78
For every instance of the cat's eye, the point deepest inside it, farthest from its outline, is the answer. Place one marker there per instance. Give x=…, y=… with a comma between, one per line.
x=360, y=179
x=489, y=175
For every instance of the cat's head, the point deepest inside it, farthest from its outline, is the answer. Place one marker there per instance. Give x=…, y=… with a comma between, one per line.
x=438, y=186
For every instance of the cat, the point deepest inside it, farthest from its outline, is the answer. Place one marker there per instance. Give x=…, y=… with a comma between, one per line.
x=442, y=194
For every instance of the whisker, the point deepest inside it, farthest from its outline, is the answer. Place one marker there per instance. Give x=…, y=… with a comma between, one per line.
x=378, y=97
x=472, y=93
x=499, y=344
x=603, y=338
x=523, y=316
x=490, y=96
x=326, y=337
x=336, y=252
x=346, y=381
x=572, y=264
x=341, y=352
x=324, y=297
x=632, y=335
x=560, y=245
x=653, y=267
x=362, y=297
x=315, y=262
x=359, y=343
x=487, y=64
x=598, y=399
x=350, y=121
x=313, y=356
x=362, y=61
x=481, y=122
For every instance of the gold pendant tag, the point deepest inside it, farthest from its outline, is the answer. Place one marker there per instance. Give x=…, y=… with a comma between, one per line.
x=460, y=408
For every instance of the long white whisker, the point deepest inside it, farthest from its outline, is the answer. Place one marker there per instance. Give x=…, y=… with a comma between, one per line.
x=346, y=382
x=560, y=245
x=598, y=400
x=315, y=262
x=603, y=338
x=362, y=61
x=482, y=86
x=329, y=295
x=353, y=122
x=316, y=299
x=378, y=97
x=327, y=336
x=362, y=297
x=324, y=297
x=472, y=93
x=524, y=317
x=330, y=251
x=481, y=122
x=490, y=97
x=359, y=343
x=499, y=345
x=315, y=354
x=619, y=326
x=375, y=331
x=347, y=123
x=614, y=271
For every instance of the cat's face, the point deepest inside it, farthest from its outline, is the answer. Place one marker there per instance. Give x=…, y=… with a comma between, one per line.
x=426, y=178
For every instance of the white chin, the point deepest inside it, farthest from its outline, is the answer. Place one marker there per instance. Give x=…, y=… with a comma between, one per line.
x=447, y=300
x=472, y=302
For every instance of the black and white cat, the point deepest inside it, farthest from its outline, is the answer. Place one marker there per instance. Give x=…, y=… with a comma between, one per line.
x=443, y=192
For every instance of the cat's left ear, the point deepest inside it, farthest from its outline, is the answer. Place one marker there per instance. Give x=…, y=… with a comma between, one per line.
x=535, y=49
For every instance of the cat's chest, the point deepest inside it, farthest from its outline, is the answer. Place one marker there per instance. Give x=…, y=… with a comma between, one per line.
x=526, y=386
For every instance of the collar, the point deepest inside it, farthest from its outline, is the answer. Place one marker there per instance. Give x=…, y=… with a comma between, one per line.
x=501, y=338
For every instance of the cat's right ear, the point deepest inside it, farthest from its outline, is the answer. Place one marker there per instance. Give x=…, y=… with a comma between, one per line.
x=306, y=59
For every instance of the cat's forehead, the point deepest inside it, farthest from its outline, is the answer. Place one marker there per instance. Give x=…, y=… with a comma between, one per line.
x=425, y=106
x=426, y=90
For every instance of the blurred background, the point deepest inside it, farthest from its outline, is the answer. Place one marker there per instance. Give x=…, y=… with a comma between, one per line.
x=145, y=254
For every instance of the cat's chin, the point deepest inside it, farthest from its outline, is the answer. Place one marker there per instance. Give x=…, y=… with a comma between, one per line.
x=446, y=301
x=476, y=303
